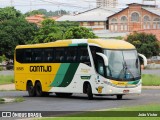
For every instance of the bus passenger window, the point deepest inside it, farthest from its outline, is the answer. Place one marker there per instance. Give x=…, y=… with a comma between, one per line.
x=84, y=56
x=71, y=54
x=28, y=56
x=20, y=55
x=59, y=53
x=37, y=55
x=48, y=55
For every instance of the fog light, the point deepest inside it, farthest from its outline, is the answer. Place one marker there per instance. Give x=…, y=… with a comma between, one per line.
x=110, y=90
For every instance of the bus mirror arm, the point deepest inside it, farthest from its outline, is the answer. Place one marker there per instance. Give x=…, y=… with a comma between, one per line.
x=144, y=59
x=105, y=58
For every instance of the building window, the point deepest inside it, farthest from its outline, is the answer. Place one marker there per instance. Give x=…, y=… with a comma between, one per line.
x=135, y=17
x=114, y=26
x=156, y=23
x=85, y=23
x=123, y=23
x=146, y=22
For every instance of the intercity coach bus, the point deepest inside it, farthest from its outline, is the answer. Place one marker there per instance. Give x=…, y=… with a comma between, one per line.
x=89, y=66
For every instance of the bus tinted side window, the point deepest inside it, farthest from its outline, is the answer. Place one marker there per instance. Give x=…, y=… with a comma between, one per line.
x=60, y=55
x=28, y=56
x=37, y=56
x=84, y=56
x=20, y=55
x=71, y=55
x=49, y=55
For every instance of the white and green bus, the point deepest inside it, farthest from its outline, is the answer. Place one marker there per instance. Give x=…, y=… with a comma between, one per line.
x=89, y=66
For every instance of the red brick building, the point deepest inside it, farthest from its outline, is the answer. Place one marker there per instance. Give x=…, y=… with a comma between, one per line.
x=134, y=18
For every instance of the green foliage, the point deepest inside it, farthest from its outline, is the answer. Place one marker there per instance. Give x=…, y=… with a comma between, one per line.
x=146, y=44
x=52, y=31
x=48, y=32
x=2, y=100
x=119, y=38
x=150, y=80
x=79, y=32
x=8, y=13
x=3, y=58
x=47, y=14
x=14, y=30
x=34, y=12
x=6, y=79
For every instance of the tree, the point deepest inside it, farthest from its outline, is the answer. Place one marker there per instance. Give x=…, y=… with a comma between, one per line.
x=46, y=13
x=34, y=12
x=146, y=44
x=8, y=13
x=14, y=30
x=48, y=32
x=79, y=33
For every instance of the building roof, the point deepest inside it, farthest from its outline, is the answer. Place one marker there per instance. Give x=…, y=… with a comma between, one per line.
x=96, y=14
x=153, y=10
x=35, y=19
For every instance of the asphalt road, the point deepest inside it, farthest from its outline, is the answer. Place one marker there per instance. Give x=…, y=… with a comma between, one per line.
x=78, y=102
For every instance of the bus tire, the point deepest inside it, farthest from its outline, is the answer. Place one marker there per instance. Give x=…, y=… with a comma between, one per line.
x=119, y=97
x=89, y=92
x=30, y=89
x=38, y=89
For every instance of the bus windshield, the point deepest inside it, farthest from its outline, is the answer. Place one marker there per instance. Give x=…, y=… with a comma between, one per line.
x=123, y=64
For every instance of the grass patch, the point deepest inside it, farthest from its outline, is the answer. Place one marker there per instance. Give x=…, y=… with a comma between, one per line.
x=150, y=80
x=2, y=100
x=6, y=79
x=150, y=107
x=100, y=118
x=19, y=99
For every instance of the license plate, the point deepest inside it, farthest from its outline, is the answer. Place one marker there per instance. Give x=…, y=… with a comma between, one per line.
x=125, y=91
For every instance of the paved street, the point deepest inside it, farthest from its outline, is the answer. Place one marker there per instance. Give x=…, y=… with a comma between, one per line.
x=77, y=102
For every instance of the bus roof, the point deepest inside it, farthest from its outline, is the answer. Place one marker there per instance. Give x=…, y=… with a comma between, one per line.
x=103, y=43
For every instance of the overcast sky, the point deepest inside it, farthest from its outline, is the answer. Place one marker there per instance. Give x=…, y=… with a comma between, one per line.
x=69, y=5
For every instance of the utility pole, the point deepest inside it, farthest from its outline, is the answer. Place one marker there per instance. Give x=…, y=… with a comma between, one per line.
x=30, y=5
x=11, y=3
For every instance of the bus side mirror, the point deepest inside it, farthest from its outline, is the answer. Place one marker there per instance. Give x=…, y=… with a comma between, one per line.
x=143, y=58
x=105, y=58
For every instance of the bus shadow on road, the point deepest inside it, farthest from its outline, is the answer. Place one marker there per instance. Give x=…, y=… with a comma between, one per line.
x=81, y=97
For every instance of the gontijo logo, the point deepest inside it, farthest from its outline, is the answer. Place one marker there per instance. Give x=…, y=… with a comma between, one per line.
x=40, y=68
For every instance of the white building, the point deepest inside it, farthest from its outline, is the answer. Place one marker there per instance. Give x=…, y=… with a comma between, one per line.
x=107, y=3
x=96, y=19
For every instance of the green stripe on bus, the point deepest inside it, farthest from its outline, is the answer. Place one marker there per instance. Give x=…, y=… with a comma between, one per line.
x=134, y=82
x=69, y=74
x=60, y=74
x=73, y=44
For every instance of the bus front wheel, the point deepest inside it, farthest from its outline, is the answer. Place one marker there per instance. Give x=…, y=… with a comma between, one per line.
x=30, y=89
x=89, y=92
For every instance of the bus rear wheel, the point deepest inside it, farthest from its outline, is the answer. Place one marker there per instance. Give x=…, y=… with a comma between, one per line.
x=38, y=89
x=30, y=89
x=89, y=92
